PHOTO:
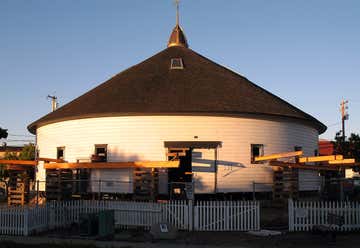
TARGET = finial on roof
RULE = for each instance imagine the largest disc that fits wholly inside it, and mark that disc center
(177, 37)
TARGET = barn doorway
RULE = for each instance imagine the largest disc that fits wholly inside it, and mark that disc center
(181, 184)
(180, 178)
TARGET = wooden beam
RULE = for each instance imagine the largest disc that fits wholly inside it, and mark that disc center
(18, 167)
(279, 155)
(320, 158)
(113, 165)
(343, 161)
(19, 162)
(51, 160)
(179, 149)
(304, 167)
(175, 154)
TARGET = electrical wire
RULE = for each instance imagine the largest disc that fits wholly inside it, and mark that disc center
(21, 135)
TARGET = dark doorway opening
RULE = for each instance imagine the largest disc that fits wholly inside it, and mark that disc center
(180, 177)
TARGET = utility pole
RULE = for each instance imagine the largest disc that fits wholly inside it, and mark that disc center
(344, 116)
(53, 102)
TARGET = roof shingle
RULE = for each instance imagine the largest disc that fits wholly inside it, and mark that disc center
(201, 88)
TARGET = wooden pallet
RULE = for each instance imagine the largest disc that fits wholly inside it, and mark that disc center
(18, 191)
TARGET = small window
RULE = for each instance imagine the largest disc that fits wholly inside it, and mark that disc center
(176, 63)
(100, 153)
(60, 153)
(256, 150)
(296, 149)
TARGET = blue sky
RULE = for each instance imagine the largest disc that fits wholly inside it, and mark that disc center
(306, 52)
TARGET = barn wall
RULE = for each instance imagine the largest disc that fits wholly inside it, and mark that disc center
(142, 138)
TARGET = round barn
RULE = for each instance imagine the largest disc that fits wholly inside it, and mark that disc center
(179, 105)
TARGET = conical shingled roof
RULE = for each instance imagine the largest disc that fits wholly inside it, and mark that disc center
(201, 88)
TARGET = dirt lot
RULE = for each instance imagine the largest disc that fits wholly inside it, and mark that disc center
(194, 239)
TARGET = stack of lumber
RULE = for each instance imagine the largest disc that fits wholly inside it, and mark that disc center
(58, 184)
(286, 183)
(145, 183)
(81, 184)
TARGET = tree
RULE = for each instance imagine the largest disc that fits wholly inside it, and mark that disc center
(28, 152)
(350, 148)
(3, 133)
(354, 146)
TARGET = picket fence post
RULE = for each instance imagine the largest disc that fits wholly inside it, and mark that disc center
(190, 210)
(291, 214)
(26, 221)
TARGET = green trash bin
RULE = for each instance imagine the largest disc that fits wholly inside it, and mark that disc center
(106, 224)
(89, 224)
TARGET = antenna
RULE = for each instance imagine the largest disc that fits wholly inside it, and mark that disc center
(53, 102)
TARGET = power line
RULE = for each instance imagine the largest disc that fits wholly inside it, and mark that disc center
(21, 135)
(23, 140)
(334, 124)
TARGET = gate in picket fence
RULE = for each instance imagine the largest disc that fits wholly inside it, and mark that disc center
(227, 216)
(303, 216)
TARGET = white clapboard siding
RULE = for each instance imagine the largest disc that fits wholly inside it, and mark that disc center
(303, 216)
(106, 180)
(135, 138)
(203, 168)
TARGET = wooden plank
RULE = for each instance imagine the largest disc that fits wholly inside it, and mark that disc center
(279, 155)
(179, 149)
(19, 162)
(51, 160)
(175, 154)
(320, 158)
(18, 167)
(343, 161)
(113, 165)
(304, 167)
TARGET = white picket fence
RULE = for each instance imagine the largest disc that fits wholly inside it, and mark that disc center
(303, 216)
(13, 221)
(205, 216)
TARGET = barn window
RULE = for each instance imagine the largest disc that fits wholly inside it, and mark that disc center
(176, 63)
(316, 152)
(296, 149)
(60, 152)
(256, 150)
(100, 153)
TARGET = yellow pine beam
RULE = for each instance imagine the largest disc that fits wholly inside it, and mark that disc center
(51, 160)
(320, 158)
(343, 161)
(113, 165)
(18, 162)
(303, 166)
(279, 155)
